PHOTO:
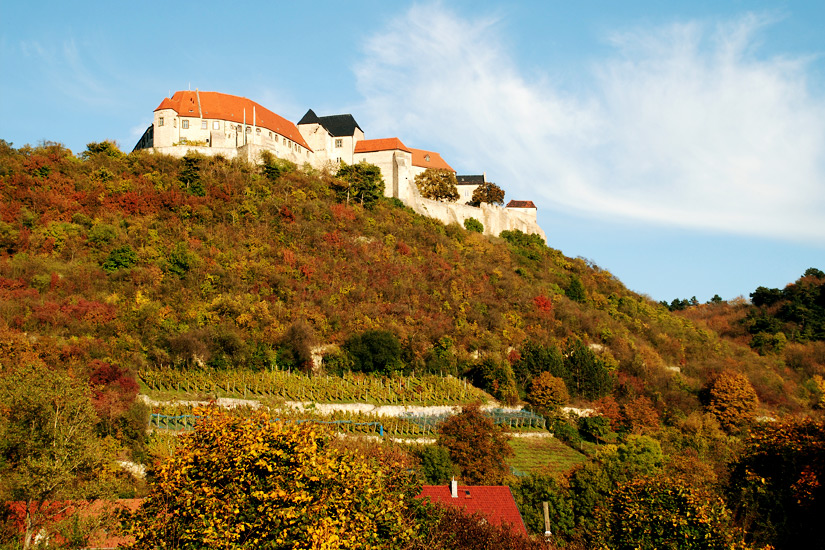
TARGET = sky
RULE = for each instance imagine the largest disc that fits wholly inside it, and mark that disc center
(679, 145)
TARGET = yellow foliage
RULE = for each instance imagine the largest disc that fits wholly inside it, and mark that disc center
(257, 482)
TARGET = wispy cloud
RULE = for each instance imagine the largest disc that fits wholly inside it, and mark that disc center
(72, 71)
(682, 125)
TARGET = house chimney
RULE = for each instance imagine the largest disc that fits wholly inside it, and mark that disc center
(454, 488)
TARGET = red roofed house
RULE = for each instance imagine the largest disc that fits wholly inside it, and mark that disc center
(213, 123)
(526, 207)
(422, 160)
(493, 502)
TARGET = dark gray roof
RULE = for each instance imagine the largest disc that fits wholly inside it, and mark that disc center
(310, 118)
(470, 180)
(337, 125)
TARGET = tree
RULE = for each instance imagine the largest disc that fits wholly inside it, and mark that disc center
(49, 450)
(255, 482)
(531, 491)
(732, 400)
(477, 446)
(575, 290)
(374, 351)
(437, 184)
(360, 182)
(548, 392)
(436, 466)
(488, 192)
(777, 483)
(656, 512)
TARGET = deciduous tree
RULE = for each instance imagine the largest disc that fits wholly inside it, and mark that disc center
(437, 184)
(49, 450)
(488, 192)
(732, 399)
(255, 482)
(361, 183)
(548, 392)
(476, 445)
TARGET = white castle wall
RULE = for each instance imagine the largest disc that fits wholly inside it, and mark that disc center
(495, 219)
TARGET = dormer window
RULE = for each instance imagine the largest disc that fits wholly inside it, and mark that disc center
(427, 158)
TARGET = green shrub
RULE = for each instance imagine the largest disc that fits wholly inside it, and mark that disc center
(120, 258)
(472, 224)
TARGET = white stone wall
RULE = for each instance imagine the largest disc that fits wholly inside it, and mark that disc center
(494, 218)
(395, 169)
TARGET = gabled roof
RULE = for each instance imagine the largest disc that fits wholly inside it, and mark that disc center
(521, 204)
(384, 144)
(230, 107)
(336, 125)
(470, 180)
(493, 502)
(429, 159)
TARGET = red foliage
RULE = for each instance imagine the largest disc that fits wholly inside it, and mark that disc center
(287, 214)
(543, 303)
(402, 248)
(289, 257)
(113, 389)
(333, 238)
(342, 212)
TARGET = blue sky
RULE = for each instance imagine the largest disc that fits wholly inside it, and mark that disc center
(679, 145)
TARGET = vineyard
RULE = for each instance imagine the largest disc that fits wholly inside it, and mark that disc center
(350, 388)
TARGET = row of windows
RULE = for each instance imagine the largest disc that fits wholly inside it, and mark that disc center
(216, 125)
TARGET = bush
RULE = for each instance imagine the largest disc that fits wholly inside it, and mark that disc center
(120, 258)
(374, 351)
(472, 224)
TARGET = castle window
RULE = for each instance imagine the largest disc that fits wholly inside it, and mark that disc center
(257, 130)
(174, 123)
(204, 125)
(248, 130)
(184, 124)
(270, 135)
(160, 121)
(216, 125)
(339, 142)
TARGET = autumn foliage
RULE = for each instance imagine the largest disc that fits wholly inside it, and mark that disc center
(257, 482)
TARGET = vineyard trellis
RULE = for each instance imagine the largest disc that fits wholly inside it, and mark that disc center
(185, 422)
(350, 388)
(410, 425)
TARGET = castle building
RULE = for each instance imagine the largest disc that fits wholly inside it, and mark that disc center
(332, 138)
(212, 123)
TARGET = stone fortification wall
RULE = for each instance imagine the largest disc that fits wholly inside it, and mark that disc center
(494, 218)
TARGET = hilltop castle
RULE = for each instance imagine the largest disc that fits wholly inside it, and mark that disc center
(213, 123)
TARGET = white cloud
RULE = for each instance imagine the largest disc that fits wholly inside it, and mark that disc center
(683, 125)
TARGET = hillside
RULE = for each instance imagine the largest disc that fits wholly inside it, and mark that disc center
(144, 261)
(205, 280)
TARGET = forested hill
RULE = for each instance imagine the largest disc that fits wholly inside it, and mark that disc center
(143, 260)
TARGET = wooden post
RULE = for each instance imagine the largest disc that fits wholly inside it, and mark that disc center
(546, 507)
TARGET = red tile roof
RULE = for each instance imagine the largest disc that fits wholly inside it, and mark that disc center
(429, 159)
(493, 502)
(216, 105)
(521, 204)
(385, 144)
